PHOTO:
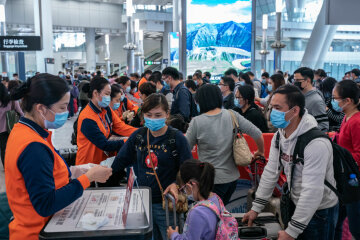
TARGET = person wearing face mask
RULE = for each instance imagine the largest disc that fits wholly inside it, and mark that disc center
(183, 102)
(314, 101)
(245, 80)
(313, 201)
(335, 117)
(345, 98)
(123, 107)
(274, 82)
(245, 106)
(169, 149)
(37, 178)
(145, 90)
(227, 86)
(96, 123)
(197, 180)
(213, 133)
(198, 80)
(161, 86)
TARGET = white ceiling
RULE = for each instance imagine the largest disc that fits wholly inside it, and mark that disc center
(142, 2)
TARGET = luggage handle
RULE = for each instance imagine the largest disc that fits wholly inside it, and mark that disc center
(252, 232)
(168, 196)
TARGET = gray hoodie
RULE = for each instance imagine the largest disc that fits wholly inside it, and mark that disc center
(309, 192)
(315, 104)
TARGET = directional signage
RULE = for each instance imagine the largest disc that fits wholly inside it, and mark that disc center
(20, 43)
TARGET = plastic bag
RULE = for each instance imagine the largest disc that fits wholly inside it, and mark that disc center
(77, 171)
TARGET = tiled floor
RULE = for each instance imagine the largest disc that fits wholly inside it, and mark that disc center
(61, 139)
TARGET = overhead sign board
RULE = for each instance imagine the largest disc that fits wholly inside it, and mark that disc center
(20, 43)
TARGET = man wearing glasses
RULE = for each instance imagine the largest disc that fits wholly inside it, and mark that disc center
(314, 101)
(227, 86)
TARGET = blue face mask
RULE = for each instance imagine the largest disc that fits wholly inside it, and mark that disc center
(105, 101)
(60, 120)
(155, 124)
(242, 83)
(198, 108)
(128, 89)
(277, 119)
(269, 88)
(122, 98)
(166, 85)
(116, 106)
(335, 105)
(236, 103)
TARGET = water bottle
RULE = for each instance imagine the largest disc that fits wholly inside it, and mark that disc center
(353, 180)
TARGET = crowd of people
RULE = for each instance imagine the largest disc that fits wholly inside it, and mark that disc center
(161, 117)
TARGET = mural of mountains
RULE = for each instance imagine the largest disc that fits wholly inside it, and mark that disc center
(229, 34)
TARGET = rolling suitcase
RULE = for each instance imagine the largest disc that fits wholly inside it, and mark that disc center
(266, 225)
(179, 218)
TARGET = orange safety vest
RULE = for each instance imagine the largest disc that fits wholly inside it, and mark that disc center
(87, 151)
(27, 223)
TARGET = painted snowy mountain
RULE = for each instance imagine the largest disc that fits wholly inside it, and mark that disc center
(229, 34)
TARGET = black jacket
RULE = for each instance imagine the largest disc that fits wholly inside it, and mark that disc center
(256, 117)
(228, 101)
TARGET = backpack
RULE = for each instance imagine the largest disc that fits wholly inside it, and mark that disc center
(343, 162)
(140, 142)
(75, 125)
(227, 226)
(263, 93)
(193, 108)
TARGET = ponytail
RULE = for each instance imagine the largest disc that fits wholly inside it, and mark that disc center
(202, 172)
(206, 183)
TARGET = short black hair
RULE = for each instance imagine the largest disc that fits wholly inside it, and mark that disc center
(115, 90)
(305, 72)
(181, 76)
(229, 82)
(147, 88)
(280, 72)
(209, 97)
(207, 74)
(147, 72)
(327, 85)
(231, 71)
(294, 97)
(44, 88)
(133, 84)
(265, 74)
(153, 101)
(246, 79)
(197, 75)
(98, 84)
(122, 80)
(356, 71)
(172, 72)
(247, 92)
(250, 74)
(190, 84)
(135, 75)
(321, 73)
(198, 71)
(349, 89)
(155, 78)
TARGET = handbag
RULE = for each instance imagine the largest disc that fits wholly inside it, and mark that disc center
(12, 117)
(182, 203)
(241, 151)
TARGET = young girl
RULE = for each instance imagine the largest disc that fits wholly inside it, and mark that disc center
(201, 223)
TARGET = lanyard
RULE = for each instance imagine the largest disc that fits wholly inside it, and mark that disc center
(105, 124)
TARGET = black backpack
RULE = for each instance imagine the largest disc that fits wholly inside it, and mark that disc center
(343, 162)
(141, 143)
